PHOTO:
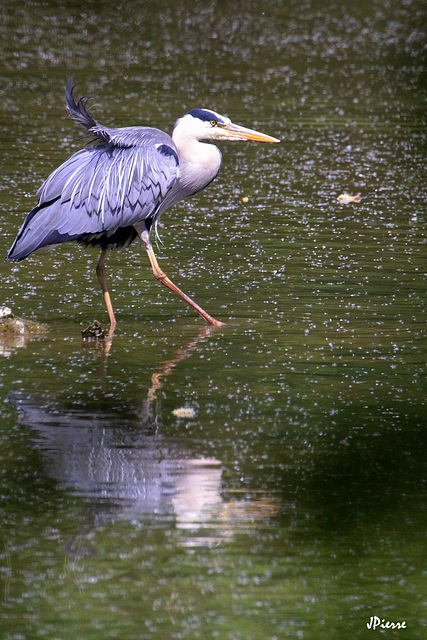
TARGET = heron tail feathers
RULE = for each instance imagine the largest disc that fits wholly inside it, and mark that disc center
(37, 232)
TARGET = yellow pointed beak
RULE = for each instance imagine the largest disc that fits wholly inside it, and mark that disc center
(236, 132)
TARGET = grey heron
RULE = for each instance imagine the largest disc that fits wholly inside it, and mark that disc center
(115, 190)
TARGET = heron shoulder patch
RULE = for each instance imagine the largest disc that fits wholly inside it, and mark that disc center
(166, 150)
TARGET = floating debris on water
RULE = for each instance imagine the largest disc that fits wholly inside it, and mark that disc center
(184, 412)
(245, 199)
(346, 198)
(93, 332)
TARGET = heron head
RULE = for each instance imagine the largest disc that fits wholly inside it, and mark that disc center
(205, 124)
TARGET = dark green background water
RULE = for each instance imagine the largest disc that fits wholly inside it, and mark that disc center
(292, 503)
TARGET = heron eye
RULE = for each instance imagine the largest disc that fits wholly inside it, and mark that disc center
(214, 123)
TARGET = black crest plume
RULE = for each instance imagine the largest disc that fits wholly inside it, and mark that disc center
(80, 113)
(79, 110)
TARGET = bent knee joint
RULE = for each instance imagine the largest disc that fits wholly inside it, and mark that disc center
(159, 275)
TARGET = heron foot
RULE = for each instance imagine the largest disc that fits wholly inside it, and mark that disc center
(213, 322)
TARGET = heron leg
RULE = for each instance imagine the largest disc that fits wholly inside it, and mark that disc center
(100, 272)
(162, 277)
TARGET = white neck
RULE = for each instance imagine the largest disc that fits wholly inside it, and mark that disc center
(199, 162)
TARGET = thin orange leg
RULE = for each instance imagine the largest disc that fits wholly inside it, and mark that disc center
(162, 277)
(100, 272)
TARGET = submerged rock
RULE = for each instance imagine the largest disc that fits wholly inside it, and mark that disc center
(15, 332)
(93, 332)
(5, 312)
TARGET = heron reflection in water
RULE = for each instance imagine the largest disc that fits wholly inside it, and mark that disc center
(128, 468)
(114, 191)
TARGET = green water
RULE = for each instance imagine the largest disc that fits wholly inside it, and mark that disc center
(289, 499)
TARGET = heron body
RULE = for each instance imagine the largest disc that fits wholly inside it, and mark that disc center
(115, 190)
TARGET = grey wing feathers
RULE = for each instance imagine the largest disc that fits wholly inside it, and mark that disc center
(117, 185)
(98, 194)
(101, 189)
